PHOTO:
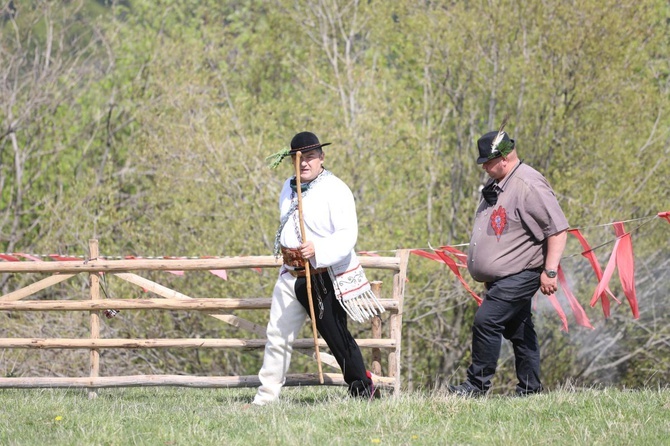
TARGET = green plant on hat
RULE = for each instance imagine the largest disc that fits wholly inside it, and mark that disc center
(503, 148)
(275, 159)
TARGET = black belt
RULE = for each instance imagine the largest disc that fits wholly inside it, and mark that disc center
(301, 272)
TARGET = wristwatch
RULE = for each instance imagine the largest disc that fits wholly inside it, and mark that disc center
(551, 273)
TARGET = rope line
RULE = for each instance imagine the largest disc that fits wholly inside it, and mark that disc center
(609, 242)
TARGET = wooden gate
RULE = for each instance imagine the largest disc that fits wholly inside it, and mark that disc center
(382, 339)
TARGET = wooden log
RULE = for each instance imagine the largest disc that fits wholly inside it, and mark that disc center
(172, 294)
(292, 380)
(95, 319)
(199, 304)
(71, 343)
(102, 265)
(399, 279)
(35, 287)
(231, 319)
(376, 365)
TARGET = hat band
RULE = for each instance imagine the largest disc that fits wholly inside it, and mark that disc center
(306, 147)
(310, 147)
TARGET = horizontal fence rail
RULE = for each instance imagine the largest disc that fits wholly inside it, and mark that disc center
(292, 380)
(107, 266)
(195, 304)
(43, 343)
(219, 308)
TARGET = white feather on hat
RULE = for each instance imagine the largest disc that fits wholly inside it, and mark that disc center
(499, 137)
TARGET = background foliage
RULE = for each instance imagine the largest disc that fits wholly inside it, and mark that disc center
(145, 124)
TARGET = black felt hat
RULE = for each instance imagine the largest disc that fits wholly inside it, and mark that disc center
(304, 142)
(487, 150)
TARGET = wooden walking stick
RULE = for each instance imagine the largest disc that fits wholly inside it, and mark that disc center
(307, 265)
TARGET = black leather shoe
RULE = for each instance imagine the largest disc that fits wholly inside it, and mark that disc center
(524, 392)
(466, 389)
(373, 391)
(359, 389)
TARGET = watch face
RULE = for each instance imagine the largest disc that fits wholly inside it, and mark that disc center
(550, 273)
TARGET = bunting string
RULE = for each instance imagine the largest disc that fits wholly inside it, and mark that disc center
(621, 259)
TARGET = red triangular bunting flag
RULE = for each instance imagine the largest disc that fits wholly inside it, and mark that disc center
(428, 255)
(559, 310)
(593, 260)
(577, 310)
(607, 275)
(176, 273)
(28, 256)
(460, 255)
(63, 258)
(219, 273)
(665, 215)
(9, 258)
(626, 266)
(440, 255)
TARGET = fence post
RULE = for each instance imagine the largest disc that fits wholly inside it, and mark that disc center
(95, 318)
(376, 366)
(395, 320)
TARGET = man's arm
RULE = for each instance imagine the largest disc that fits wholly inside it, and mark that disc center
(555, 246)
(338, 238)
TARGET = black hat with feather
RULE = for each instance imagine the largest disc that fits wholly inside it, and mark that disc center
(494, 144)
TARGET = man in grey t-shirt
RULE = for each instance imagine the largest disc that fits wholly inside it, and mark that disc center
(516, 245)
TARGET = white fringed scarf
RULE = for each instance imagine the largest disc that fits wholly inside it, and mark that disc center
(352, 288)
(353, 291)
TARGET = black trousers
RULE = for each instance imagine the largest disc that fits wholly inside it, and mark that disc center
(506, 312)
(331, 322)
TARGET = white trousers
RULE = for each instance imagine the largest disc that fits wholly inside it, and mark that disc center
(287, 317)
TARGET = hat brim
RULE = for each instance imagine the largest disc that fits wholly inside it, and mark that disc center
(483, 159)
(308, 148)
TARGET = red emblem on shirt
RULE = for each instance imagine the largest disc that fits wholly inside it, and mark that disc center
(499, 221)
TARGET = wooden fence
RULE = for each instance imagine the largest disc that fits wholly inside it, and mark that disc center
(219, 308)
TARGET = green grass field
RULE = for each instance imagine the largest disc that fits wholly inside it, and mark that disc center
(324, 416)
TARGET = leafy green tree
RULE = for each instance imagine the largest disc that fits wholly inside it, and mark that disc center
(146, 124)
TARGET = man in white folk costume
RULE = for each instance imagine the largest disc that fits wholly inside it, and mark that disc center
(339, 286)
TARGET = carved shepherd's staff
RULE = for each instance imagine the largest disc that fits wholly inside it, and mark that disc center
(307, 264)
